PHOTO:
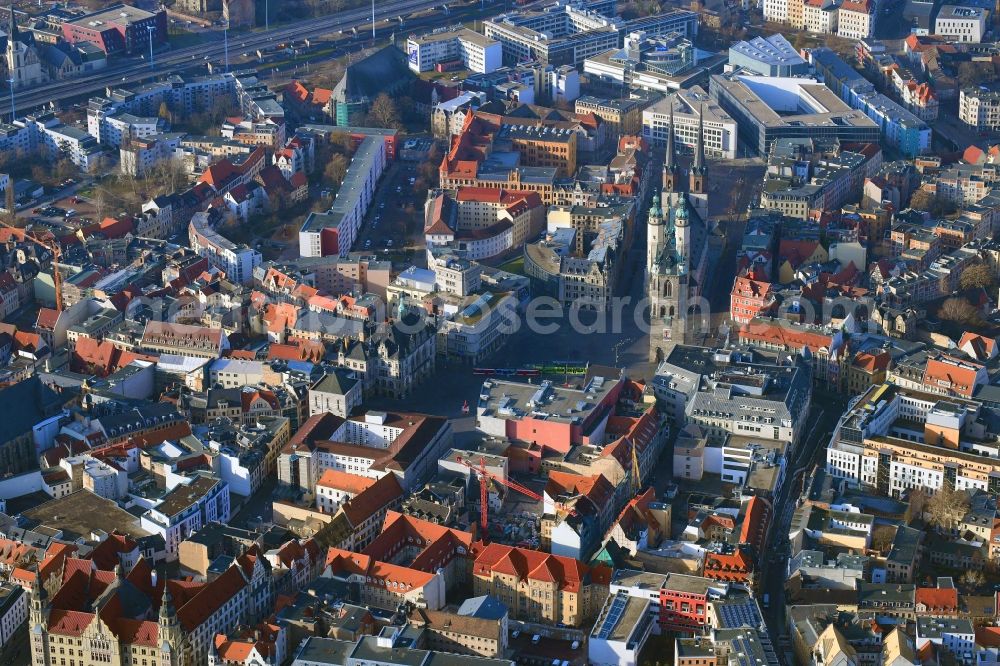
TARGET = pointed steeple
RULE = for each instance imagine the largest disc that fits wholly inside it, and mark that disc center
(168, 614)
(696, 181)
(13, 34)
(699, 151)
(669, 162)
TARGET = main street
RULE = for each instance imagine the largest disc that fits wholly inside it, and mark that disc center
(822, 419)
(134, 70)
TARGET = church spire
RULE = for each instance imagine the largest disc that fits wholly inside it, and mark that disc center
(697, 176)
(669, 163)
(168, 614)
(699, 153)
(13, 34)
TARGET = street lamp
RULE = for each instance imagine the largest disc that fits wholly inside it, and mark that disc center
(267, 17)
(13, 114)
(225, 39)
(373, 20)
(150, 29)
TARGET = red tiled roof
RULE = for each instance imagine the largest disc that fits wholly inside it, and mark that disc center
(758, 510)
(596, 488)
(137, 632)
(210, 598)
(796, 252)
(69, 623)
(872, 363)
(525, 564)
(322, 96)
(47, 318)
(381, 494)
(747, 287)
(761, 330)
(439, 544)
(351, 483)
(937, 599)
(860, 6)
(106, 554)
(981, 346)
(974, 155)
(988, 636)
(955, 375)
(731, 567)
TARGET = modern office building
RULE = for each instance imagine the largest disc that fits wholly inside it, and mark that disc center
(569, 33)
(118, 29)
(772, 56)
(690, 109)
(900, 128)
(769, 108)
(656, 64)
(445, 48)
(961, 23)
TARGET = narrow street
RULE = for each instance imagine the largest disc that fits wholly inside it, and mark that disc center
(822, 419)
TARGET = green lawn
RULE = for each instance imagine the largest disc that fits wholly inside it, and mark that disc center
(181, 38)
(515, 265)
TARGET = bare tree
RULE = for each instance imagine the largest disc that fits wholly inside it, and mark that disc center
(100, 202)
(917, 499)
(973, 73)
(972, 579)
(947, 507)
(926, 200)
(977, 276)
(882, 537)
(959, 310)
(336, 169)
(384, 113)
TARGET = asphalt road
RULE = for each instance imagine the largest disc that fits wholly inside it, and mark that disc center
(134, 69)
(826, 409)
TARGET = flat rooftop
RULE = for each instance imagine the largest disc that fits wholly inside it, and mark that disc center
(181, 497)
(619, 617)
(114, 15)
(775, 50)
(458, 32)
(352, 187)
(548, 400)
(80, 513)
(815, 105)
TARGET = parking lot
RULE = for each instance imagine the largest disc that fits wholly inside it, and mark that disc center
(62, 207)
(394, 224)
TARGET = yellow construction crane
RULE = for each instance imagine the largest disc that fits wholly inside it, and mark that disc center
(636, 480)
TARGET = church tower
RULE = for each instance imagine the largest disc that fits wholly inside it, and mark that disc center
(682, 233)
(697, 193)
(174, 645)
(23, 64)
(654, 233)
(677, 262)
(697, 185)
(38, 624)
(671, 172)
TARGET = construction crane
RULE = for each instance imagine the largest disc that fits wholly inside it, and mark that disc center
(636, 477)
(485, 475)
(52, 247)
